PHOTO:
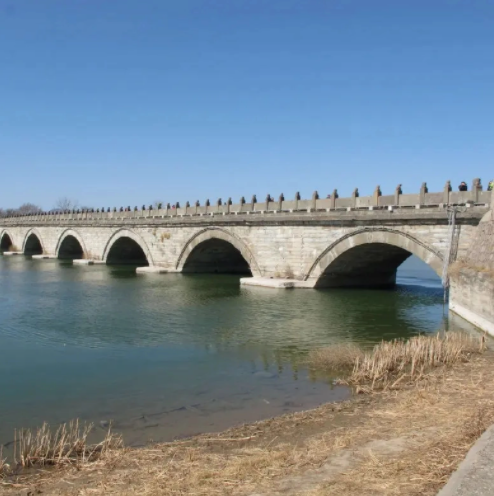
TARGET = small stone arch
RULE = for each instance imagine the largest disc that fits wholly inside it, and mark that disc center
(126, 233)
(220, 234)
(33, 232)
(6, 241)
(65, 234)
(397, 241)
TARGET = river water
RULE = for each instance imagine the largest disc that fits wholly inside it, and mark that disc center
(173, 355)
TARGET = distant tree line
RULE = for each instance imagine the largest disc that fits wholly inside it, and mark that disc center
(24, 209)
(61, 205)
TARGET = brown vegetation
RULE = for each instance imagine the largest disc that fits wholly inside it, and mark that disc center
(67, 445)
(391, 362)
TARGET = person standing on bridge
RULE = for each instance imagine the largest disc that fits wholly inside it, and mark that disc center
(490, 186)
(463, 186)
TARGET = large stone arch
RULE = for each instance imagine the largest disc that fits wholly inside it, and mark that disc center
(77, 236)
(223, 235)
(36, 233)
(3, 233)
(126, 233)
(377, 239)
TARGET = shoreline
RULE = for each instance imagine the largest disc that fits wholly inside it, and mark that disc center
(383, 442)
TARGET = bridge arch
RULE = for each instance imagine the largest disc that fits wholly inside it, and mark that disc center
(127, 247)
(217, 250)
(6, 241)
(33, 243)
(369, 257)
(70, 245)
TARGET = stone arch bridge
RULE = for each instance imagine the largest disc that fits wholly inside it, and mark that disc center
(300, 243)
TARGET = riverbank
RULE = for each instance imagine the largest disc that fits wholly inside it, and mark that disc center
(398, 441)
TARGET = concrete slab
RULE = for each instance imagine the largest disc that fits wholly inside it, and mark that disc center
(267, 282)
(43, 257)
(475, 475)
(81, 261)
(155, 270)
(11, 253)
(472, 317)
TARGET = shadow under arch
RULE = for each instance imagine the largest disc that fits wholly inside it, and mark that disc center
(70, 246)
(126, 247)
(6, 242)
(215, 250)
(369, 257)
(32, 243)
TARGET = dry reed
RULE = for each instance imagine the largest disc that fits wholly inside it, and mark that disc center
(67, 445)
(392, 362)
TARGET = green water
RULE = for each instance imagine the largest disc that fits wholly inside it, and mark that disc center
(172, 355)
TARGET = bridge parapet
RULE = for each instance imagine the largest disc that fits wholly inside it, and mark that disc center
(333, 203)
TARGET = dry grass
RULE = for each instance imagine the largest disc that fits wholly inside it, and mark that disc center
(335, 358)
(392, 362)
(67, 445)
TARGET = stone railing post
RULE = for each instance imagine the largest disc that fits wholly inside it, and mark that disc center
(355, 195)
(398, 192)
(376, 195)
(281, 199)
(476, 189)
(446, 192)
(315, 197)
(297, 199)
(423, 191)
(334, 197)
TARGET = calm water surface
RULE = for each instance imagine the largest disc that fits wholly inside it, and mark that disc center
(173, 355)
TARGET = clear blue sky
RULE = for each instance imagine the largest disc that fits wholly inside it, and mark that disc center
(125, 102)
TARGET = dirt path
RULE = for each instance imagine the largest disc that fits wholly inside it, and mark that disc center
(400, 442)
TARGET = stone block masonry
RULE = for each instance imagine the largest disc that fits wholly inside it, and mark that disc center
(309, 248)
(472, 280)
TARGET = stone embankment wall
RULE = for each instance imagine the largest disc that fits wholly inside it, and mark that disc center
(472, 278)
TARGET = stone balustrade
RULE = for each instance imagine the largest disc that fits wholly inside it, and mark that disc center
(333, 203)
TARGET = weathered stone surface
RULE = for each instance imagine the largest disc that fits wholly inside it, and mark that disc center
(315, 248)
